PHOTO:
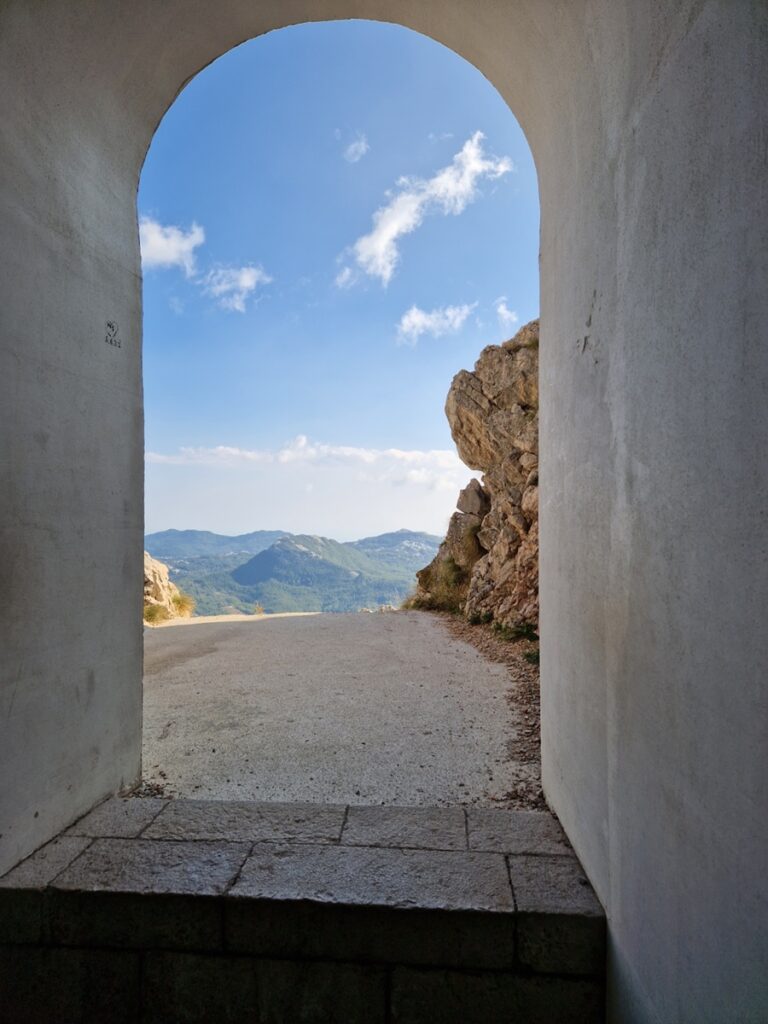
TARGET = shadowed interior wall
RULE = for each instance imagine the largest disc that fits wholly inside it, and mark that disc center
(647, 123)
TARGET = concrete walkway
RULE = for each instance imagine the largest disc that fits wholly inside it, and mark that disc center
(353, 709)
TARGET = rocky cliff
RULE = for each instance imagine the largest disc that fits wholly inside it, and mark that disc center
(488, 564)
(162, 599)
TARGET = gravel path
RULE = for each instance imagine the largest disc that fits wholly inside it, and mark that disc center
(363, 709)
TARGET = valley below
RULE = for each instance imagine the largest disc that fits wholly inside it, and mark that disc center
(271, 571)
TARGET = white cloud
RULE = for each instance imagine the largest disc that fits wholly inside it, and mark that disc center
(231, 286)
(355, 491)
(356, 150)
(449, 191)
(507, 317)
(169, 246)
(220, 454)
(165, 245)
(302, 450)
(345, 278)
(446, 320)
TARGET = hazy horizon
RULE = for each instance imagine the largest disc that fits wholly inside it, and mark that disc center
(280, 529)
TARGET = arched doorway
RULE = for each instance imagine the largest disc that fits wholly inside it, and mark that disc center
(309, 400)
(650, 240)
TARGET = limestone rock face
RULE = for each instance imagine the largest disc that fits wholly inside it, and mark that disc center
(492, 545)
(158, 588)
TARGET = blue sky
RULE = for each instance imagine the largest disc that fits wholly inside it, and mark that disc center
(335, 219)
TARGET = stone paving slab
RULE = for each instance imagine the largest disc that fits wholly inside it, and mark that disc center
(425, 828)
(248, 822)
(377, 935)
(22, 916)
(560, 923)
(183, 987)
(192, 988)
(516, 832)
(454, 997)
(148, 866)
(368, 876)
(552, 885)
(303, 993)
(69, 986)
(118, 818)
(128, 920)
(40, 869)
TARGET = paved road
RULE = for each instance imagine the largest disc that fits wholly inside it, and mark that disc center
(362, 709)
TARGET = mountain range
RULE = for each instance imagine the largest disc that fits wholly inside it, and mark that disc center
(281, 572)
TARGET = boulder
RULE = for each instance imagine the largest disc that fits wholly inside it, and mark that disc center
(162, 598)
(492, 545)
(474, 499)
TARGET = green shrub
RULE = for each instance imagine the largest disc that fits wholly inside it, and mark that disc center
(154, 613)
(183, 603)
(518, 631)
(480, 618)
(446, 584)
(532, 656)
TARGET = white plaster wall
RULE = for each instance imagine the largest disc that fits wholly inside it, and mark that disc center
(654, 541)
(647, 122)
(71, 447)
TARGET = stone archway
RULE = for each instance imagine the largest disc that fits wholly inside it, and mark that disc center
(642, 119)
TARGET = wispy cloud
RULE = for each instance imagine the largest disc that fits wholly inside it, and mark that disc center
(165, 245)
(383, 488)
(231, 286)
(449, 191)
(345, 278)
(507, 317)
(356, 150)
(430, 468)
(445, 320)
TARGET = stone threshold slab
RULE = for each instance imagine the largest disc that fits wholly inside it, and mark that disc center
(426, 886)
(489, 830)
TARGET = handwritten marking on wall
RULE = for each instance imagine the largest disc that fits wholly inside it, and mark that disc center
(112, 336)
